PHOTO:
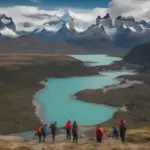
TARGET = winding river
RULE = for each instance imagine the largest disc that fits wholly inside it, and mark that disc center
(57, 101)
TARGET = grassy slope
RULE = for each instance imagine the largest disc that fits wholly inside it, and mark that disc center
(20, 77)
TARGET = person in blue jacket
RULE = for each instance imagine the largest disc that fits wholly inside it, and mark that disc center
(44, 131)
(115, 133)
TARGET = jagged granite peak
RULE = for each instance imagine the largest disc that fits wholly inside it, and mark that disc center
(7, 22)
(131, 18)
(66, 32)
(72, 24)
(119, 17)
(94, 32)
(98, 19)
(106, 16)
(129, 22)
(106, 21)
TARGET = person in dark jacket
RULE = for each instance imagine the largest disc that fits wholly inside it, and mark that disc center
(122, 129)
(53, 128)
(75, 130)
(115, 133)
(68, 129)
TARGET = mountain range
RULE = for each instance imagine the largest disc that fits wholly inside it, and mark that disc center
(106, 33)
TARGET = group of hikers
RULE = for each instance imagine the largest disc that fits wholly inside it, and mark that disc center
(72, 129)
(116, 133)
(42, 131)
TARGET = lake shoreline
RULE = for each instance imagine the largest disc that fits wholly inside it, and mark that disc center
(115, 108)
(37, 105)
(21, 81)
(73, 97)
(123, 94)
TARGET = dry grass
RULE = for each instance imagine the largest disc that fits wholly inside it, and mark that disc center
(135, 142)
(11, 60)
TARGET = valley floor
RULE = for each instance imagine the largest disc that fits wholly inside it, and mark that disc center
(20, 77)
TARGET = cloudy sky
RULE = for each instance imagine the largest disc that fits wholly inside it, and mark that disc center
(33, 13)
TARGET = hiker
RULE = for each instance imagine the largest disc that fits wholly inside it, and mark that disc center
(44, 131)
(115, 132)
(53, 128)
(39, 133)
(122, 129)
(75, 130)
(99, 134)
(68, 129)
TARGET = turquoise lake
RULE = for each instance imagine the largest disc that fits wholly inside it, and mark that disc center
(96, 59)
(57, 102)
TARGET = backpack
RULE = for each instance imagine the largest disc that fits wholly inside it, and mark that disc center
(75, 128)
(124, 126)
(40, 130)
(101, 131)
(116, 131)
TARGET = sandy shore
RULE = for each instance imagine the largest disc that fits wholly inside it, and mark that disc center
(37, 105)
(122, 84)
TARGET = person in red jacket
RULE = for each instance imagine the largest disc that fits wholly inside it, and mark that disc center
(39, 133)
(68, 129)
(122, 128)
(75, 130)
(99, 134)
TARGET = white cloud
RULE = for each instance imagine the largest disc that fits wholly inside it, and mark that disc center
(34, 17)
(37, 17)
(23, 14)
(137, 8)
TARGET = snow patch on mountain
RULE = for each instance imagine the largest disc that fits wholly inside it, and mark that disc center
(110, 32)
(6, 32)
(50, 28)
(133, 29)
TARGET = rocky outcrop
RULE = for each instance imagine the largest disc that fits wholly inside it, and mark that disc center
(7, 22)
(129, 22)
(106, 21)
(98, 20)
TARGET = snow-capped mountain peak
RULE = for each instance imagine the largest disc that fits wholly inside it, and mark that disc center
(47, 28)
(98, 20)
(128, 22)
(106, 21)
(7, 22)
(6, 32)
(67, 16)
